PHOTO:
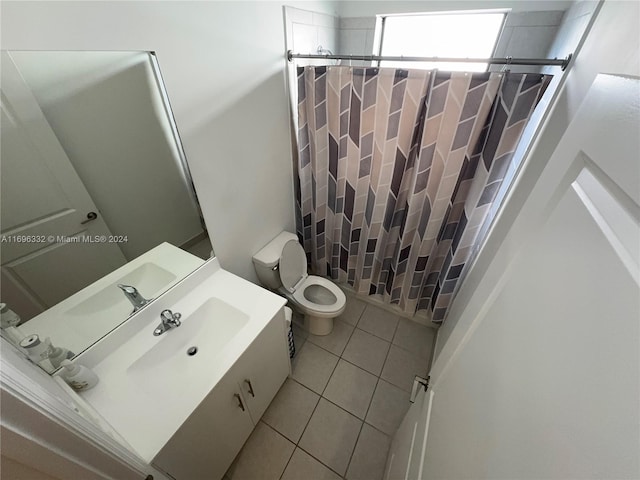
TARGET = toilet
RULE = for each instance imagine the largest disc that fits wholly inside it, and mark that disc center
(281, 265)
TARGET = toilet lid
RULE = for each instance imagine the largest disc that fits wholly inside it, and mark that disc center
(293, 265)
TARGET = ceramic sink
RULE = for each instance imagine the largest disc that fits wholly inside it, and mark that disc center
(184, 350)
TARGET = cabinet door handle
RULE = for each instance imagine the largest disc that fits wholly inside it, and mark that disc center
(240, 404)
(248, 382)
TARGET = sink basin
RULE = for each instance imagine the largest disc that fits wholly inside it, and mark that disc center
(109, 303)
(148, 278)
(88, 315)
(209, 328)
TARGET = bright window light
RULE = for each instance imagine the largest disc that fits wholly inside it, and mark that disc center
(460, 35)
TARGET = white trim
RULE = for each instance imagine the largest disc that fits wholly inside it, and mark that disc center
(423, 451)
(30, 400)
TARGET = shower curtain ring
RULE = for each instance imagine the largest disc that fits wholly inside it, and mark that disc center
(505, 67)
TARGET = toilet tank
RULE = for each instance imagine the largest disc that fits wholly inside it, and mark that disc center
(268, 258)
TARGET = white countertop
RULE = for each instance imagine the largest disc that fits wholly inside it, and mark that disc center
(74, 325)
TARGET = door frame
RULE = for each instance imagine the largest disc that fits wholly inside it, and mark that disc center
(25, 399)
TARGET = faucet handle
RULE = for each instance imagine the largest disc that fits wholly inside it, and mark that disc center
(127, 288)
(171, 318)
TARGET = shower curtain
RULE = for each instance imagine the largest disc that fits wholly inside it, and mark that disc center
(397, 171)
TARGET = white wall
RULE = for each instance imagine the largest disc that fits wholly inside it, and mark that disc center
(357, 35)
(306, 31)
(529, 35)
(223, 66)
(108, 115)
(574, 23)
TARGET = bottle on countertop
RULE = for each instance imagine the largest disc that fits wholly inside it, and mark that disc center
(58, 354)
(78, 377)
(36, 349)
(9, 321)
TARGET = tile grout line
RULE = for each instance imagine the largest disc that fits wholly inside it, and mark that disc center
(339, 357)
(341, 408)
(351, 363)
(413, 354)
(395, 330)
(365, 414)
(321, 396)
(303, 430)
(276, 431)
(383, 364)
(370, 401)
(297, 445)
(320, 462)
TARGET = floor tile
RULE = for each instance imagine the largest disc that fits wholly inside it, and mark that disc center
(378, 322)
(313, 366)
(414, 337)
(388, 407)
(291, 410)
(353, 310)
(201, 249)
(336, 340)
(303, 466)
(297, 322)
(401, 367)
(298, 341)
(366, 351)
(370, 456)
(351, 388)
(331, 436)
(264, 456)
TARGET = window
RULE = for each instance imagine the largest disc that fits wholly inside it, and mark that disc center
(466, 34)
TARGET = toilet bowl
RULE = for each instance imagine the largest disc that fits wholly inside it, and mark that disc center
(282, 266)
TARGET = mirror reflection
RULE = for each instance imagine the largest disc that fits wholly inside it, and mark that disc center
(98, 209)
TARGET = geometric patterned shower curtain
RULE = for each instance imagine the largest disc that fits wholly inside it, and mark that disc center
(397, 171)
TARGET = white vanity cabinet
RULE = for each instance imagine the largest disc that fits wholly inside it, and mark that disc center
(207, 442)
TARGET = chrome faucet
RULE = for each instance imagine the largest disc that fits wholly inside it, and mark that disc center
(169, 320)
(132, 294)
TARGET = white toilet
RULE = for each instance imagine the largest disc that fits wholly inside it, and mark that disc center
(282, 266)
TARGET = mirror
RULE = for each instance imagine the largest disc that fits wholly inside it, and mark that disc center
(95, 192)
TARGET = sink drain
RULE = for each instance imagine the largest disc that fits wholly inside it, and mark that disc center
(192, 351)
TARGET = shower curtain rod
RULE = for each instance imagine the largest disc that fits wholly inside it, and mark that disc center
(556, 62)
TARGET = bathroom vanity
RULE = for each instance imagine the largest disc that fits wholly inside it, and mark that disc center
(187, 400)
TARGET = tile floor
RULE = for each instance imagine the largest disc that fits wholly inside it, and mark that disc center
(201, 249)
(334, 417)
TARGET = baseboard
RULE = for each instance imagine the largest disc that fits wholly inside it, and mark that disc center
(193, 240)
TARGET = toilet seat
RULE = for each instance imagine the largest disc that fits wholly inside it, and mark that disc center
(296, 281)
(318, 309)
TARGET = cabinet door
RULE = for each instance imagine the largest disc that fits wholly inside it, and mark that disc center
(208, 441)
(263, 368)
